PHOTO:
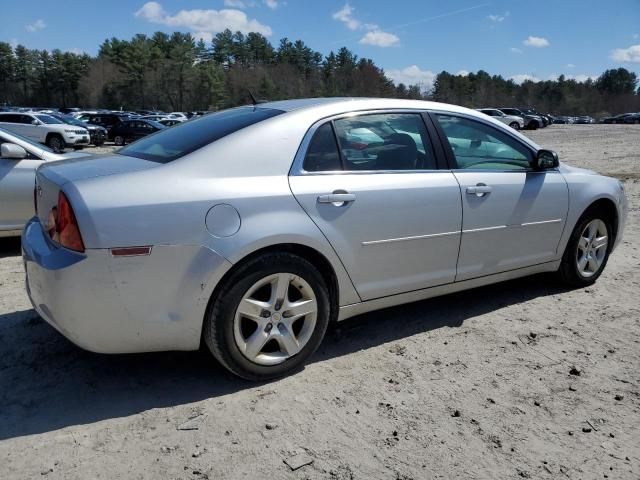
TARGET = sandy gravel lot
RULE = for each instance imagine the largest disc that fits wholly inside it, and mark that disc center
(472, 385)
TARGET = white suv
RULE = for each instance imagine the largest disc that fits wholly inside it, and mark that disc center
(513, 121)
(45, 129)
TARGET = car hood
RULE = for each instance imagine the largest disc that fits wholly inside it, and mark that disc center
(92, 166)
(62, 127)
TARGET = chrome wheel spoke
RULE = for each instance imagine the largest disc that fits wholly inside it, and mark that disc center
(583, 243)
(279, 288)
(255, 343)
(295, 310)
(593, 264)
(252, 309)
(287, 341)
(582, 263)
(599, 242)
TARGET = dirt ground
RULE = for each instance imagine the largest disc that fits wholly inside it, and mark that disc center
(523, 379)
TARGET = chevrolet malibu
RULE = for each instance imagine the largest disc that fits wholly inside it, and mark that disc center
(251, 229)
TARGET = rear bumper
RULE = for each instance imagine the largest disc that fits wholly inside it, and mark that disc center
(112, 304)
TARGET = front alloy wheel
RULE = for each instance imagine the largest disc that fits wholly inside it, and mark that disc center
(592, 248)
(587, 251)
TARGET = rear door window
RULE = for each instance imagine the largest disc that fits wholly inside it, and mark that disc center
(322, 154)
(386, 141)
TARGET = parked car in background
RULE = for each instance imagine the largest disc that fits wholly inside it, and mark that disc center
(19, 159)
(97, 134)
(46, 129)
(169, 122)
(530, 111)
(530, 121)
(513, 121)
(633, 118)
(129, 131)
(68, 110)
(622, 118)
(106, 120)
(562, 119)
(178, 115)
(251, 229)
(584, 119)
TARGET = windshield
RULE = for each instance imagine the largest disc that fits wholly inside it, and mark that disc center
(8, 137)
(172, 143)
(49, 120)
(69, 120)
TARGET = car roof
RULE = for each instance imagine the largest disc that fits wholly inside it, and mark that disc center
(337, 105)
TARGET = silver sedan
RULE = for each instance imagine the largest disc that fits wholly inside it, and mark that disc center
(19, 159)
(252, 229)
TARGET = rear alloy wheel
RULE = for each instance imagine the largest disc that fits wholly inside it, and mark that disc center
(587, 251)
(515, 125)
(269, 317)
(56, 143)
(119, 140)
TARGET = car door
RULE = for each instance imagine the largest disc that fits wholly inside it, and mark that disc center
(513, 215)
(371, 182)
(13, 123)
(17, 178)
(33, 128)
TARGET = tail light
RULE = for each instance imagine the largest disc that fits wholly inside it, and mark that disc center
(63, 226)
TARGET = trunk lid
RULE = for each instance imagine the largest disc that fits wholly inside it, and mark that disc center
(51, 177)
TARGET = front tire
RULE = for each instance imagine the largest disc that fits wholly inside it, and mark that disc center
(268, 317)
(515, 125)
(587, 251)
(119, 140)
(56, 143)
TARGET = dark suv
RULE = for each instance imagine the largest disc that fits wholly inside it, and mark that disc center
(106, 120)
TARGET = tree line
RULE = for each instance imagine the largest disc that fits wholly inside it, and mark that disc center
(179, 73)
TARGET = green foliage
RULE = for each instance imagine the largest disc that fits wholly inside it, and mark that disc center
(176, 72)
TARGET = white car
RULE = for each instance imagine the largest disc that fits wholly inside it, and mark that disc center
(45, 129)
(513, 121)
(178, 116)
(19, 159)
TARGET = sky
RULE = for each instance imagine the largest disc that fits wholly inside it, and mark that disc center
(411, 39)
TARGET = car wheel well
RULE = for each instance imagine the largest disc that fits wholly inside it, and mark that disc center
(53, 134)
(317, 259)
(610, 213)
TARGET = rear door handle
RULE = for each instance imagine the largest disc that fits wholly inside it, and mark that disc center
(338, 199)
(480, 190)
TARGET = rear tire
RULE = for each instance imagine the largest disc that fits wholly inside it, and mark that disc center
(515, 125)
(583, 261)
(119, 140)
(257, 345)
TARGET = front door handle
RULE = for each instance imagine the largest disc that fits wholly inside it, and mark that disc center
(480, 190)
(337, 199)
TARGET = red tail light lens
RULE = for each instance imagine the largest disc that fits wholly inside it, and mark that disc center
(63, 227)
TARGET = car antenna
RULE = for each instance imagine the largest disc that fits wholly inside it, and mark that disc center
(254, 101)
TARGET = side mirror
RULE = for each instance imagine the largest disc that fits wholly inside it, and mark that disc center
(546, 159)
(11, 150)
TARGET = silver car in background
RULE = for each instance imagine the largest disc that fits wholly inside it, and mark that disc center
(19, 159)
(251, 229)
(513, 121)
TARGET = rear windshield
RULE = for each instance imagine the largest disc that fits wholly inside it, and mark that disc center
(180, 140)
